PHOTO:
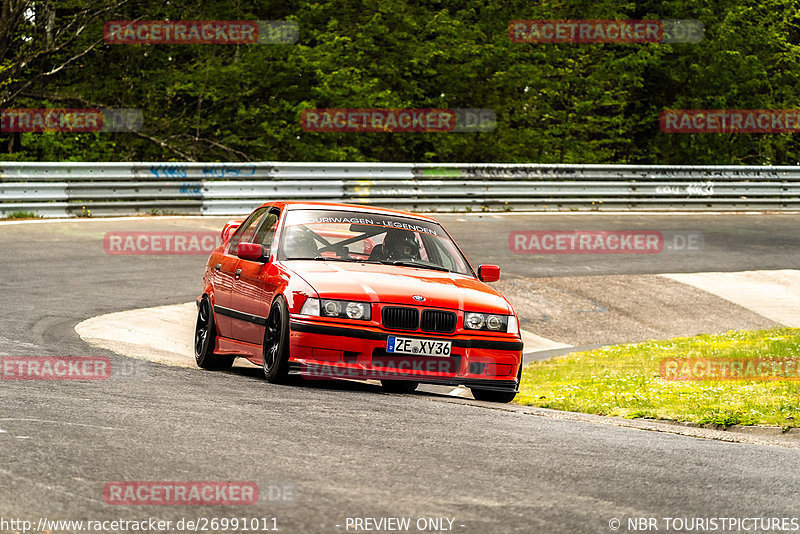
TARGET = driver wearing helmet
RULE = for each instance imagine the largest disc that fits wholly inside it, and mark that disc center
(397, 245)
(299, 244)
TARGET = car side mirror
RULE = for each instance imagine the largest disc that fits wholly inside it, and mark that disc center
(250, 251)
(228, 229)
(489, 273)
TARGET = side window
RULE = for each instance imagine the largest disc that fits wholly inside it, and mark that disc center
(246, 232)
(266, 233)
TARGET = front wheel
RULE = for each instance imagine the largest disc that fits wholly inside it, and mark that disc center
(205, 334)
(275, 350)
(497, 396)
(492, 396)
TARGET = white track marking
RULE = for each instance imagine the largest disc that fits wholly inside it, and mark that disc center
(30, 419)
(771, 294)
(163, 334)
(106, 219)
(534, 343)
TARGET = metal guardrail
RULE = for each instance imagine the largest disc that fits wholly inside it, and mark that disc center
(64, 189)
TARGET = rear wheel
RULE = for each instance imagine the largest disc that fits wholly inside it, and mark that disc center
(398, 386)
(275, 350)
(205, 334)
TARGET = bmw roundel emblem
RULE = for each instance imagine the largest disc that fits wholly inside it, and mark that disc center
(418, 298)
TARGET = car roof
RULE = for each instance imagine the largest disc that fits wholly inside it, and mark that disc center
(335, 206)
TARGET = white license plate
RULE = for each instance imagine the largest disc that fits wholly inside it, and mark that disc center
(418, 347)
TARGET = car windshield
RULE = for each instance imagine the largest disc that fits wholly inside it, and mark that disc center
(371, 238)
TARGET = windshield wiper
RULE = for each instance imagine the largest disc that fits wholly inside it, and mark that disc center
(415, 264)
(320, 258)
(323, 258)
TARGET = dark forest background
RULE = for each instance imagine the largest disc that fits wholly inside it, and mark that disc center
(576, 103)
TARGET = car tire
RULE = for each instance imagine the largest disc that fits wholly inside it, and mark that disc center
(205, 334)
(493, 396)
(497, 396)
(275, 349)
(399, 386)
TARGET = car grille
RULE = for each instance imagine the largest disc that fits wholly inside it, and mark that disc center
(438, 321)
(400, 318)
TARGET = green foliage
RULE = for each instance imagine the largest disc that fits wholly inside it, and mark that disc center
(22, 215)
(570, 103)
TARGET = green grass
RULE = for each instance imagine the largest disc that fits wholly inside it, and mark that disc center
(625, 381)
(21, 215)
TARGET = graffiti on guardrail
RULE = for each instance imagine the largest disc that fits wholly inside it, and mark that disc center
(702, 189)
(168, 171)
(522, 172)
(191, 189)
(224, 171)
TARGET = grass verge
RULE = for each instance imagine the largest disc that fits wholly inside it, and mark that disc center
(626, 380)
(21, 215)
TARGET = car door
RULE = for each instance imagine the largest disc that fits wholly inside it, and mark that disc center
(254, 285)
(225, 270)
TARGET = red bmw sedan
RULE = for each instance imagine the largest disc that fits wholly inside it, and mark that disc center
(343, 291)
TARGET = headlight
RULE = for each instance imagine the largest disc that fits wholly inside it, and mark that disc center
(337, 308)
(331, 308)
(473, 321)
(488, 321)
(356, 310)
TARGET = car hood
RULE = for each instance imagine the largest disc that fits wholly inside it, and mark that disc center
(392, 284)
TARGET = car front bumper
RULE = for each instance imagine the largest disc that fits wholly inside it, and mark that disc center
(324, 351)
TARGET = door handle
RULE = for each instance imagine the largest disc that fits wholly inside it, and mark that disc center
(238, 272)
(218, 266)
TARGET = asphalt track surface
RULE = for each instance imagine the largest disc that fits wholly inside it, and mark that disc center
(346, 449)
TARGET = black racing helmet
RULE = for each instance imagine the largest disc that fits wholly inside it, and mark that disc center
(401, 244)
